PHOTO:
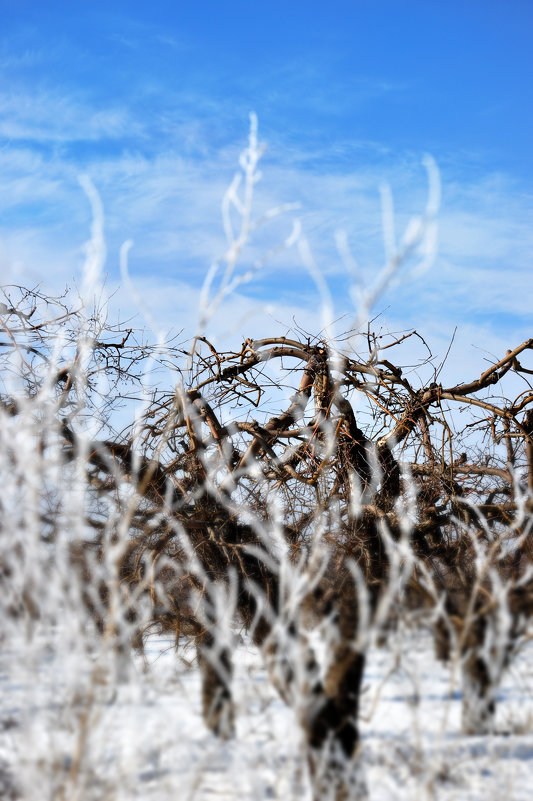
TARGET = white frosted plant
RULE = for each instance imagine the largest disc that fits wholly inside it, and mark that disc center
(161, 530)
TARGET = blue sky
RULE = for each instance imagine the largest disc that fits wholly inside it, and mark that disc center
(152, 101)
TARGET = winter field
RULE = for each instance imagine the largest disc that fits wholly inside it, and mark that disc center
(74, 729)
(241, 496)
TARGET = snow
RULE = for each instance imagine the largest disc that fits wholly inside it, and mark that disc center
(78, 725)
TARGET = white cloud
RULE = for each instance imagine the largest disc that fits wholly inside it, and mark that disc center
(49, 116)
(169, 204)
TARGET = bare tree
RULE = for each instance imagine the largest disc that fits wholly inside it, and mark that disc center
(247, 487)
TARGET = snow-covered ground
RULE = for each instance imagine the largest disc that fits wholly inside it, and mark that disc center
(69, 730)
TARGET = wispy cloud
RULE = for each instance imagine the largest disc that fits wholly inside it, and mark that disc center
(167, 195)
(29, 57)
(50, 116)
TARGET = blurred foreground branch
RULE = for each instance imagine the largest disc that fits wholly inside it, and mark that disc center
(283, 486)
